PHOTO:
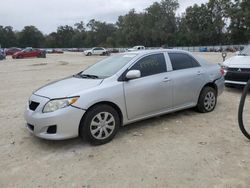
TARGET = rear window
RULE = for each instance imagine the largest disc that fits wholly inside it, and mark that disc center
(182, 61)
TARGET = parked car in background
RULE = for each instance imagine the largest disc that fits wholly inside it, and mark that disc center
(29, 52)
(57, 51)
(11, 51)
(2, 54)
(75, 50)
(237, 68)
(203, 49)
(54, 51)
(123, 89)
(96, 51)
(135, 48)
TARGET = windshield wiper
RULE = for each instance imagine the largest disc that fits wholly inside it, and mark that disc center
(86, 76)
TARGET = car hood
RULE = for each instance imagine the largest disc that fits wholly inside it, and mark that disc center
(238, 62)
(67, 87)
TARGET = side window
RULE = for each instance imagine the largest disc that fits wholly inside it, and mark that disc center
(152, 64)
(182, 61)
(98, 48)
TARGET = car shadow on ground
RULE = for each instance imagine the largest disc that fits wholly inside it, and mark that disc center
(235, 89)
(131, 129)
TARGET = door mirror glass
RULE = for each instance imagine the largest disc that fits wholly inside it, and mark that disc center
(133, 74)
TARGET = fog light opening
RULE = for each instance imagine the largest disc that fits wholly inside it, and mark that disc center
(52, 129)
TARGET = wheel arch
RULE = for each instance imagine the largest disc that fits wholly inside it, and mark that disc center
(113, 105)
(209, 84)
(212, 85)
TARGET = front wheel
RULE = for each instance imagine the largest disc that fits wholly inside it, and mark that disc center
(207, 100)
(100, 124)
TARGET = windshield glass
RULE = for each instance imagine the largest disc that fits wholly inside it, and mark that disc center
(109, 66)
(246, 51)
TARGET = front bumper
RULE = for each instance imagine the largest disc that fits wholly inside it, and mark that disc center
(230, 82)
(237, 76)
(66, 120)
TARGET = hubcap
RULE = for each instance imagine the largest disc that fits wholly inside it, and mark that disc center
(209, 101)
(102, 125)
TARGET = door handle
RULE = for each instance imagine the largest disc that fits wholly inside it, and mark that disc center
(166, 79)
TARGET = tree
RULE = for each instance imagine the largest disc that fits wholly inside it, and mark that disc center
(239, 28)
(30, 36)
(7, 37)
(160, 22)
(64, 36)
(98, 33)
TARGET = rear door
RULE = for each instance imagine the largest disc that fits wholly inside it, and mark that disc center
(150, 93)
(187, 77)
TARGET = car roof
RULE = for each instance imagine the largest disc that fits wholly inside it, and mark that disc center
(145, 52)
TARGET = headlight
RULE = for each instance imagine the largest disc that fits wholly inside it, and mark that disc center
(56, 104)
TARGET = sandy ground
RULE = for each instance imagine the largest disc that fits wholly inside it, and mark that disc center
(184, 149)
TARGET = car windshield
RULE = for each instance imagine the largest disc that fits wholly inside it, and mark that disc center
(109, 66)
(246, 51)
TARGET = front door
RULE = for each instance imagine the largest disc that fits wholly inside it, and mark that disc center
(152, 92)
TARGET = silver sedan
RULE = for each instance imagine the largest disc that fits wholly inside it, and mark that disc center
(122, 89)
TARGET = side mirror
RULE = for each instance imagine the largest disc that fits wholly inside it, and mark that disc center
(133, 74)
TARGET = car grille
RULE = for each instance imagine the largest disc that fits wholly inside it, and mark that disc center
(33, 105)
(238, 74)
(237, 69)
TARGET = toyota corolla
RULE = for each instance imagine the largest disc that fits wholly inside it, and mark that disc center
(122, 89)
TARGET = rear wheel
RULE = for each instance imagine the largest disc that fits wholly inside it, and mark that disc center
(207, 100)
(100, 124)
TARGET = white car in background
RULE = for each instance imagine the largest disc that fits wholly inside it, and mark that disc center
(96, 51)
(135, 48)
(237, 68)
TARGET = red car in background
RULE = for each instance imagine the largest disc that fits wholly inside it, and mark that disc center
(11, 51)
(29, 52)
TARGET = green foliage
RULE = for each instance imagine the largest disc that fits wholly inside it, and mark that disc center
(215, 22)
(30, 36)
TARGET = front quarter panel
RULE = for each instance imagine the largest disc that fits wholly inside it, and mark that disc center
(106, 92)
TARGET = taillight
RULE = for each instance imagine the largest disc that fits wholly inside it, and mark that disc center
(222, 71)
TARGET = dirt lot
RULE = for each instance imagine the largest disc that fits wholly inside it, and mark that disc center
(184, 149)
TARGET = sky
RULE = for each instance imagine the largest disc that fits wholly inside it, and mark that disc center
(47, 15)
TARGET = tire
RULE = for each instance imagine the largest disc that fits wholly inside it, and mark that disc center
(241, 109)
(103, 54)
(97, 132)
(89, 54)
(207, 100)
(41, 55)
(19, 57)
